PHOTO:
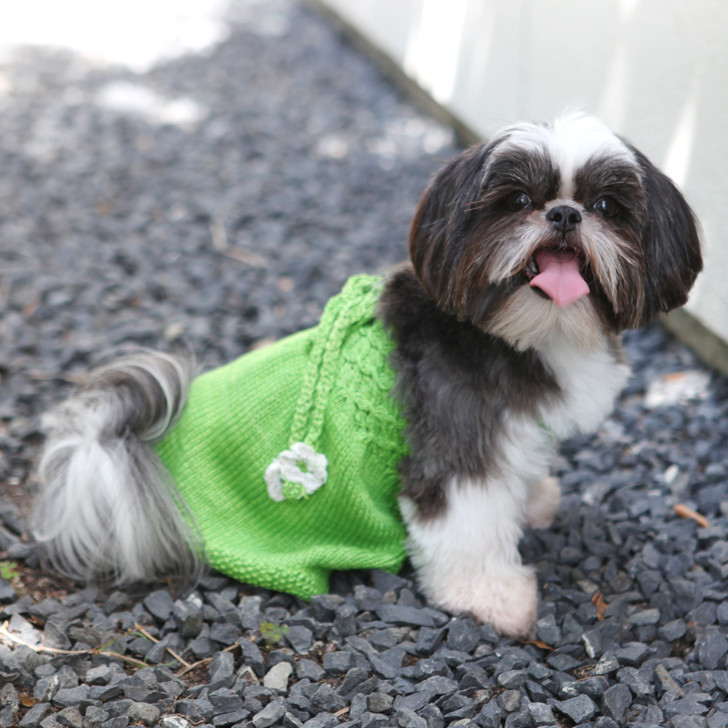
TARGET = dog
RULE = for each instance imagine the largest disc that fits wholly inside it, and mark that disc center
(418, 419)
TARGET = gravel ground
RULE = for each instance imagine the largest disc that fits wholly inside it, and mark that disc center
(217, 201)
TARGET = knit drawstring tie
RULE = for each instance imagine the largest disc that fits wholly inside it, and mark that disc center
(300, 471)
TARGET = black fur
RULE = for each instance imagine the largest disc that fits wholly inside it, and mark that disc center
(456, 383)
(671, 242)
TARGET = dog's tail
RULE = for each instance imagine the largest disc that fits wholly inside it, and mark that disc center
(107, 507)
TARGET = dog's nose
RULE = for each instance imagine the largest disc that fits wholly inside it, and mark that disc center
(564, 217)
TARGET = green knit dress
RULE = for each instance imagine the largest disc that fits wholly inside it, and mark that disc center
(287, 457)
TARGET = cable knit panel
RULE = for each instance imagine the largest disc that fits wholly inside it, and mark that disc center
(287, 457)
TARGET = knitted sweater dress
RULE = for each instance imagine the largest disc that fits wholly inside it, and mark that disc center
(286, 458)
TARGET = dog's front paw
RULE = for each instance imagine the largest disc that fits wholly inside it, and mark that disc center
(543, 503)
(506, 600)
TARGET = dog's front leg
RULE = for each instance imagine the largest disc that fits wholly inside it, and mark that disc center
(467, 557)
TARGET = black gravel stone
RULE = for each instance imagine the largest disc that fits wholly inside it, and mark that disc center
(408, 616)
(462, 635)
(712, 648)
(159, 604)
(579, 709)
(490, 715)
(196, 710)
(270, 715)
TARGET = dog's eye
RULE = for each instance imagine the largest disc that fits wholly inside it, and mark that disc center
(606, 207)
(519, 201)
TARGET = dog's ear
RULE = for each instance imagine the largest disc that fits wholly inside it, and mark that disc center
(671, 243)
(441, 224)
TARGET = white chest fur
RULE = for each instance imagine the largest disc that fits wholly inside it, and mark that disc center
(590, 382)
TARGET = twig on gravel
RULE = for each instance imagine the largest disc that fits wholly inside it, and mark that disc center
(206, 661)
(685, 512)
(42, 649)
(146, 634)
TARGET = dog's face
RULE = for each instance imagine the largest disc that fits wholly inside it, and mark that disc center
(554, 228)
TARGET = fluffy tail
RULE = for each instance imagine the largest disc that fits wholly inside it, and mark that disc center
(106, 506)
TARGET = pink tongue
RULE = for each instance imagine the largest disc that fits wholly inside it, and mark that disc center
(559, 277)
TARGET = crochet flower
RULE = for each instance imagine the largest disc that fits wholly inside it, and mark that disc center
(296, 473)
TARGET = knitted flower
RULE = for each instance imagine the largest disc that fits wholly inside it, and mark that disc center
(296, 473)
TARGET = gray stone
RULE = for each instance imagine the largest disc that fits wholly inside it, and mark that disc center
(66, 697)
(271, 714)
(225, 701)
(188, 615)
(227, 610)
(580, 709)
(198, 711)
(490, 715)
(407, 718)
(437, 685)
(637, 681)
(372, 720)
(7, 593)
(645, 617)
(300, 638)
(345, 619)
(221, 667)
(510, 700)
(415, 701)
(541, 714)
(94, 716)
(462, 634)
(353, 679)
(70, 717)
(606, 665)
(673, 630)
(632, 654)
(548, 631)
(712, 648)
(512, 679)
(409, 616)
(252, 656)
(379, 703)
(277, 677)
(325, 720)
(433, 716)
(222, 720)
(35, 715)
(174, 721)
(338, 662)
(311, 670)
(667, 682)
(224, 633)
(143, 713)
(325, 698)
(119, 721)
(688, 705)
(159, 604)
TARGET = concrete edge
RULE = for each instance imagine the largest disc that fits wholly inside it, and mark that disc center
(707, 346)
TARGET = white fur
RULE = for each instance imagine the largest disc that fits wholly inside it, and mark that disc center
(590, 382)
(467, 558)
(571, 141)
(107, 506)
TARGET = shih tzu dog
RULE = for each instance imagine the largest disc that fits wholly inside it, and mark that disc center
(417, 419)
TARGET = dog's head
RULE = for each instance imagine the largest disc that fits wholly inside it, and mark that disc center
(554, 227)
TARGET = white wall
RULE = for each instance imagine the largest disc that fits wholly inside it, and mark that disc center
(655, 70)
